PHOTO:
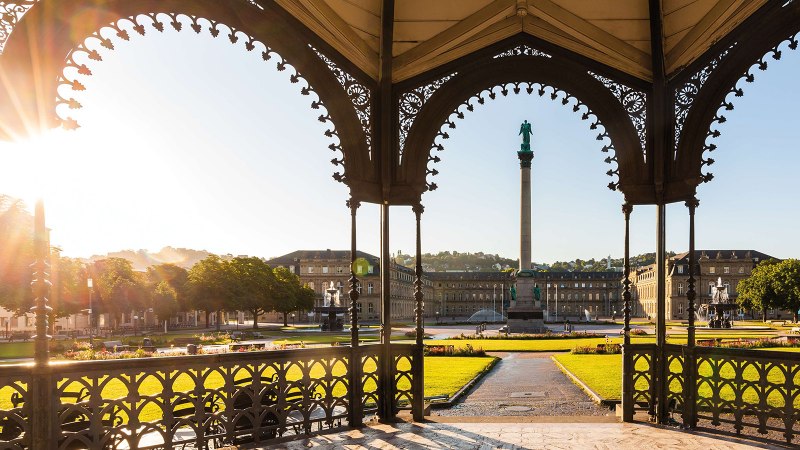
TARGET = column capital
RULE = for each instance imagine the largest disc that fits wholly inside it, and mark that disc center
(692, 203)
(525, 159)
(627, 208)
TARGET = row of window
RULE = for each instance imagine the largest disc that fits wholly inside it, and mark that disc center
(580, 285)
(713, 269)
(337, 269)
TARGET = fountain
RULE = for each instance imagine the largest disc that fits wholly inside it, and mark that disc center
(331, 309)
(721, 307)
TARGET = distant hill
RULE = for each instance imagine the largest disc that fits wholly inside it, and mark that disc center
(484, 262)
(142, 259)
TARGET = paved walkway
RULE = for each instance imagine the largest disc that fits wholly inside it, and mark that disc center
(437, 435)
(525, 384)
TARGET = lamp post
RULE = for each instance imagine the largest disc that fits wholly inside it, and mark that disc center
(547, 296)
(91, 329)
(494, 303)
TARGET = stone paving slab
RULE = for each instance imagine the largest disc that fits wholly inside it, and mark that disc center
(434, 435)
(525, 384)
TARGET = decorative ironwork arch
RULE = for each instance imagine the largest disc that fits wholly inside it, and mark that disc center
(344, 95)
(437, 105)
(713, 88)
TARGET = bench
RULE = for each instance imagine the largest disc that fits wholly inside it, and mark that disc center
(115, 346)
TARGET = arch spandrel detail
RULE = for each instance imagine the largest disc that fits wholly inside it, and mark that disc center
(540, 74)
(724, 79)
(263, 30)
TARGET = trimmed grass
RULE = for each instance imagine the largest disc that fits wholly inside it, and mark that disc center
(16, 350)
(534, 345)
(602, 373)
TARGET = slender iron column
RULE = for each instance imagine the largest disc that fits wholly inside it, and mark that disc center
(41, 387)
(690, 292)
(386, 411)
(627, 357)
(419, 366)
(356, 416)
(661, 313)
(689, 357)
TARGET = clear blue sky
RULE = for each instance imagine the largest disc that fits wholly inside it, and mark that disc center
(191, 142)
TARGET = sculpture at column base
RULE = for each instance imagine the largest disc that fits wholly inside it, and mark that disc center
(525, 315)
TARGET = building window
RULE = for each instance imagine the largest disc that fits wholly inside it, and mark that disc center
(680, 308)
(680, 288)
(359, 306)
(726, 270)
(710, 288)
(324, 269)
(310, 269)
(712, 269)
(741, 269)
(370, 287)
(680, 269)
(370, 307)
(583, 285)
(339, 269)
(371, 269)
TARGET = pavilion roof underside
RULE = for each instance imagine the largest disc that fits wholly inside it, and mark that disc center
(430, 33)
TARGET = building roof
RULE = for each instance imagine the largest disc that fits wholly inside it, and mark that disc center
(428, 34)
(328, 255)
(748, 255)
(468, 276)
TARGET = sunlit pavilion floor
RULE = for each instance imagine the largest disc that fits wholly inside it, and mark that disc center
(520, 433)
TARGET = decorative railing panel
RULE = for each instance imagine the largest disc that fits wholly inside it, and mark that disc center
(750, 390)
(642, 358)
(14, 406)
(206, 401)
(407, 361)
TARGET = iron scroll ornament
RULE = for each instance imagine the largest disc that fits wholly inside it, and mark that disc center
(11, 13)
(69, 81)
(775, 53)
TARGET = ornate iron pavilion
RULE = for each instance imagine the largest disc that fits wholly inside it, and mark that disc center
(654, 78)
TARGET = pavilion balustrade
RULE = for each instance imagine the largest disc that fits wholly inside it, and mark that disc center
(710, 386)
(205, 401)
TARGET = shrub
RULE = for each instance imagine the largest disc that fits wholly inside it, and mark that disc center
(549, 335)
(413, 334)
(601, 349)
(638, 332)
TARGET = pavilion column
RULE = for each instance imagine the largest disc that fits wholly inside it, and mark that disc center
(661, 385)
(386, 410)
(419, 310)
(689, 357)
(627, 360)
(42, 400)
(356, 416)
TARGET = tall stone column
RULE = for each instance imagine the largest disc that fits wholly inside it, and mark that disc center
(525, 158)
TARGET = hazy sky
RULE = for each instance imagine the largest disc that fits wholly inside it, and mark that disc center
(191, 142)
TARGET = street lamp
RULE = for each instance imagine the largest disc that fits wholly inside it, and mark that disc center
(91, 329)
(494, 303)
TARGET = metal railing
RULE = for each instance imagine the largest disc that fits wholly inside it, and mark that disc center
(205, 401)
(756, 390)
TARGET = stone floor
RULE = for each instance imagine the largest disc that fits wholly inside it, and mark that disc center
(525, 384)
(518, 434)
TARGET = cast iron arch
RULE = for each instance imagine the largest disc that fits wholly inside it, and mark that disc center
(46, 38)
(733, 67)
(567, 82)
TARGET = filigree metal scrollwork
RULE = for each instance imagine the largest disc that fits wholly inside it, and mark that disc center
(411, 103)
(359, 94)
(686, 93)
(522, 50)
(10, 13)
(713, 132)
(554, 93)
(635, 104)
(103, 40)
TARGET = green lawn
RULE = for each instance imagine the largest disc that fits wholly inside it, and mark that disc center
(534, 345)
(10, 350)
(602, 373)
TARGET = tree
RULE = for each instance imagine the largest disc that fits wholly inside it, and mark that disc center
(787, 285)
(758, 291)
(68, 293)
(121, 289)
(165, 301)
(290, 294)
(209, 286)
(16, 242)
(253, 286)
(175, 277)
